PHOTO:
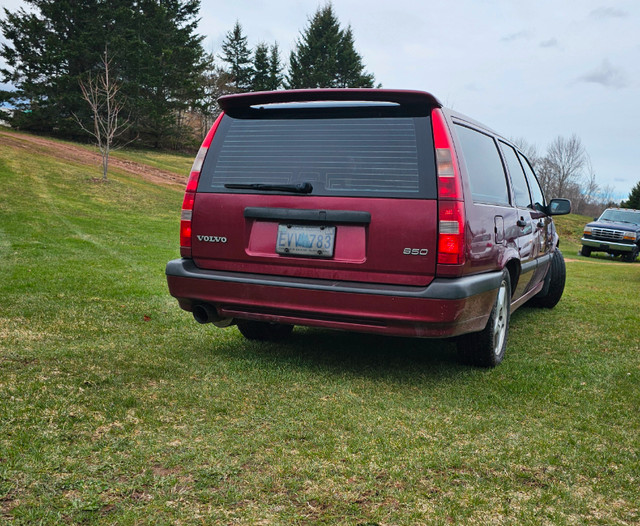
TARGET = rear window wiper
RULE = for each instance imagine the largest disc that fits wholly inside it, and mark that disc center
(302, 188)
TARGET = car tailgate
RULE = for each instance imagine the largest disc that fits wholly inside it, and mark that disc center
(379, 240)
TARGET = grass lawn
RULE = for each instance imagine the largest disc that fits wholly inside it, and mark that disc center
(176, 162)
(117, 408)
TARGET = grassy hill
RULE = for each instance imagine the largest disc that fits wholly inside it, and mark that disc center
(570, 229)
(117, 408)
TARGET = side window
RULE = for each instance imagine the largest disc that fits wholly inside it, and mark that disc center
(486, 173)
(534, 186)
(518, 179)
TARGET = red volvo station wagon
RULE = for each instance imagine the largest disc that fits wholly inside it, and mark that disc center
(364, 210)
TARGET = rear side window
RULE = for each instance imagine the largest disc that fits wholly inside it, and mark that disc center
(486, 173)
(340, 155)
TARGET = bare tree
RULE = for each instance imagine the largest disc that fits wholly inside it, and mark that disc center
(529, 150)
(545, 173)
(566, 171)
(216, 82)
(589, 195)
(566, 159)
(606, 197)
(102, 93)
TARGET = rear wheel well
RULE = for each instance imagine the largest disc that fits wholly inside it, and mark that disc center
(513, 266)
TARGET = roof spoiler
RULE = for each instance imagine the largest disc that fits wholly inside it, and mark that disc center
(403, 97)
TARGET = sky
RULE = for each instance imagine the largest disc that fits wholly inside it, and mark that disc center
(531, 69)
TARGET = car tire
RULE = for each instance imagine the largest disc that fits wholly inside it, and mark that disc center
(264, 331)
(585, 251)
(631, 256)
(487, 347)
(554, 282)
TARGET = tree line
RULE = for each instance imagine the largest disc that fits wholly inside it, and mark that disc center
(137, 70)
(166, 83)
(565, 170)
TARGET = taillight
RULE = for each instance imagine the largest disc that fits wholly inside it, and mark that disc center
(190, 192)
(451, 233)
(451, 219)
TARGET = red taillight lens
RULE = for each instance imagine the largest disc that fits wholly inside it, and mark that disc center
(451, 220)
(185, 222)
(446, 163)
(451, 233)
(190, 192)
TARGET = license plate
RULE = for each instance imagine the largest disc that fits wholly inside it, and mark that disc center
(299, 240)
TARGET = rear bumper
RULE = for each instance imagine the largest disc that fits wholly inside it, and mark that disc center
(446, 307)
(606, 246)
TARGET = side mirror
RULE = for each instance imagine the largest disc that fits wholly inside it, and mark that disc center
(559, 207)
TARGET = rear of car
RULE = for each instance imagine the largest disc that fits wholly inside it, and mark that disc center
(342, 209)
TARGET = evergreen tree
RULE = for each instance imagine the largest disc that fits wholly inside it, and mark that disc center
(45, 60)
(267, 69)
(157, 60)
(275, 68)
(350, 70)
(325, 56)
(163, 64)
(634, 198)
(260, 81)
(236, 53)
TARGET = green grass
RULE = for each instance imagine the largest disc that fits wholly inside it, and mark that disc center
(570, 229)
(117, 408)
(172, 161)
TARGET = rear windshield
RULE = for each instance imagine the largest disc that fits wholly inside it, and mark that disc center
(341, 153)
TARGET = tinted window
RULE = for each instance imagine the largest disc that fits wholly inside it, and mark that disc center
(518, 179)
(486, 173)
(534, 186)
(623, 216)
(341, 155)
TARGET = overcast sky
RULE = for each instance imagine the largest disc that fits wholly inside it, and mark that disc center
(530, 69)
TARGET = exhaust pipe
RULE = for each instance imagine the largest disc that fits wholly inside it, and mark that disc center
(204, 313)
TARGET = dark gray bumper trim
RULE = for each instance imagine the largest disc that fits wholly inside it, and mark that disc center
(598, 244)
(439, 288)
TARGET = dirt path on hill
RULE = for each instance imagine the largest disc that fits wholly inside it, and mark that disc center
(80, 155)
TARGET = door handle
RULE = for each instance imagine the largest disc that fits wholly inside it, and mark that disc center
(521, 222)
(540, 224)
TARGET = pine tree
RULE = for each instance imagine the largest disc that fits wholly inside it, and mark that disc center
(350, 72)
(275, 68)
(325, 56)
(634, 198)
(260, 81)
(237, 54)
(45, 61)
(157, 60)
(163, 64)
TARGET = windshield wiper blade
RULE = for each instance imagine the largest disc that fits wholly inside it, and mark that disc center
(302, 188)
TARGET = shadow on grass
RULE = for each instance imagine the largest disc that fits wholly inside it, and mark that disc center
(330, 352)
(603, 256)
